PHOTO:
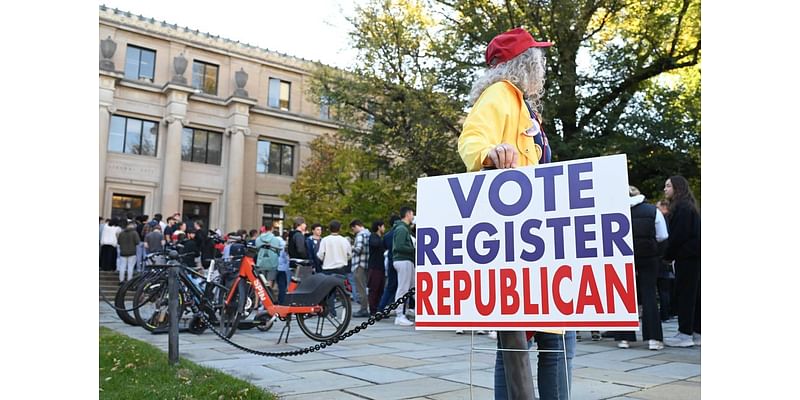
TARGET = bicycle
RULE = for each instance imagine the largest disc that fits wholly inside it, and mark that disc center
(319, 302)
(151, 301)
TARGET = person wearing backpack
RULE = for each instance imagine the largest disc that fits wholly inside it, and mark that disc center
(270, 247)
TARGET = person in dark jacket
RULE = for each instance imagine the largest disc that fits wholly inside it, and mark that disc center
(188, 247)
(666, 274)
(296, 246)
(391, 273)
(375, 267)
(128, 241)
(205, 244)
(312, 246)
(684, 249)
(649, 229)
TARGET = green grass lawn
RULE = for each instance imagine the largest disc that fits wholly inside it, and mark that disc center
(132, 369)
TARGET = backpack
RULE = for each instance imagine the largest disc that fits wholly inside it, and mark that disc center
(268, 258)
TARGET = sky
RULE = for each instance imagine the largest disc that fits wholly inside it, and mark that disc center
(314, 30)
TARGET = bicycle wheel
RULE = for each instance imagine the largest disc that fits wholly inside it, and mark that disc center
(333, 319)
(231, 312)
(151, 303)
(122, 305)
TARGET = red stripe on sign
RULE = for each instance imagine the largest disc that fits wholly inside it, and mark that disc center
(573, 324)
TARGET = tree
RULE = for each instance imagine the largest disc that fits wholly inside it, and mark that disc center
(625, 47)
(623, 76)
(396, 84)
(343, 182)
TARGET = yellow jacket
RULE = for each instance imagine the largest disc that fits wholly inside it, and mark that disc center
(499, 116)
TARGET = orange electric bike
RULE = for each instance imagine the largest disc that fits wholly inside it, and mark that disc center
(319, 302)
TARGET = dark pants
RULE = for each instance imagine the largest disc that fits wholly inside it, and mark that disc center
(391, 288)
(375, 282)
(687, 293)
(665, 301)
(283, 283)
(646, 276)
(108, 258)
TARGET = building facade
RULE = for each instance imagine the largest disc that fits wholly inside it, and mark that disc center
(197, 124)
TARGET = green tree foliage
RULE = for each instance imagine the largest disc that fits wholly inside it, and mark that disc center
(342, 181)
(623, 77)
(605, 71)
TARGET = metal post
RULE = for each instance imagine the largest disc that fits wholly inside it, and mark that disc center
(517, 364)
(173, 314)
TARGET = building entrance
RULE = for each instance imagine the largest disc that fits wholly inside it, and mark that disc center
(122, 204)
(196, 210)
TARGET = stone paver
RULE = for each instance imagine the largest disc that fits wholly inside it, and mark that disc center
(376, 374)
(407, 389)
(680, 390)
(673, 370)
(392, 362)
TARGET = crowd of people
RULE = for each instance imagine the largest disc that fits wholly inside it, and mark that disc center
(378, 263)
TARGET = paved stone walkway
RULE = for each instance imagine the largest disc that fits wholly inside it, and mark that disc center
(392, 362)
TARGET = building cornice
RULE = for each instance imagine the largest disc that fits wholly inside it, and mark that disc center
(293, 117)
(206, 41)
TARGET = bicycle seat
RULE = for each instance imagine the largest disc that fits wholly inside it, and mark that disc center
(313, 289)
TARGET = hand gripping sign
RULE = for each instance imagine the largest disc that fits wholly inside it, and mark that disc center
(532, 248)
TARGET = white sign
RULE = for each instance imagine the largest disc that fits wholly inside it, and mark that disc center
(542, 247)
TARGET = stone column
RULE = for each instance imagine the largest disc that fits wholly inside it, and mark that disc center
(107, 87)
(235, 181)
(177, 101)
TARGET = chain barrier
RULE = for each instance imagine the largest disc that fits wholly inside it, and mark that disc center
(364, 325)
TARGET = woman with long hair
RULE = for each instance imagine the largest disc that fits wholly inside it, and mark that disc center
(684, 249)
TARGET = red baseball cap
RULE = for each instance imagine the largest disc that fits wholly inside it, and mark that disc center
(510, 44)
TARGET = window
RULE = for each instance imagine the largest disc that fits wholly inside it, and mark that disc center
(279, 94)
(139, 63)
(325, 107)
(272, 218)
(204, 77)
(275, 158)
(201, 146)
(132, 136)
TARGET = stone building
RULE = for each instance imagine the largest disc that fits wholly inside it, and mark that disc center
(198, 124)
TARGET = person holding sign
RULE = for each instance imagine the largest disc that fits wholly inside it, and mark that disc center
(503, 130)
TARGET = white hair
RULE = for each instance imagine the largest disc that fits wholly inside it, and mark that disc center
(525, 71)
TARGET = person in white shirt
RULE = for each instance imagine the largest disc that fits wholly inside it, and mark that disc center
(334, 250)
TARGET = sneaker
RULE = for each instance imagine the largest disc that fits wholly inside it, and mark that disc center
(655, 344)
(361, 314)
(623, 344)
(402, 321)
(680, 340)
(480, 332)
(459, 332)
(696, 339)
(493, 335)
(595, 336)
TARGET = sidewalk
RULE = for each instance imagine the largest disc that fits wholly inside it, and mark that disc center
(392, 362)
